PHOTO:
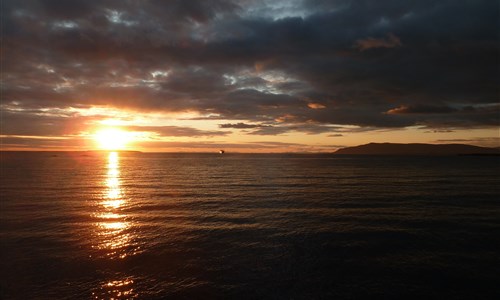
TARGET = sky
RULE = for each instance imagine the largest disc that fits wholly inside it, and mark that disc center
(249, 75)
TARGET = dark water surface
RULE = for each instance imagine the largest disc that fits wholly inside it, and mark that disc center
(244, 226)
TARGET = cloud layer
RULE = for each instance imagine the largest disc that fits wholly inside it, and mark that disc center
(281, 66)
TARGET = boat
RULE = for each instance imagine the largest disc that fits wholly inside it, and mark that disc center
(221, 151)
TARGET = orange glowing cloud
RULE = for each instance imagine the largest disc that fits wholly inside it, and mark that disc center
(315, 106)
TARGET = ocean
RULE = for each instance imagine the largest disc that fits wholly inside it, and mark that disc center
(125, 225)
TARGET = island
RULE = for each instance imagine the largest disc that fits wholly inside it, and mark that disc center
(417, 149)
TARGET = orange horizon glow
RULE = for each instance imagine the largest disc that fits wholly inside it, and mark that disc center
(154, 132)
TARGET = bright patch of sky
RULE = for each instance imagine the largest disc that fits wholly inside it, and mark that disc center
(64, 25)
(262, 81)
(159, 73)
(276, 9)
(116, 17)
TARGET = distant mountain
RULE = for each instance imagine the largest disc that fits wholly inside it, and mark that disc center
(418, 149)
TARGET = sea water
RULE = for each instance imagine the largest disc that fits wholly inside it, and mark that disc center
(84, 225)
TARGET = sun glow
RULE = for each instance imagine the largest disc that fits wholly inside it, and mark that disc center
(113, 138)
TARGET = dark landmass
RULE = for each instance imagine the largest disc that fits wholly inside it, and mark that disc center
(417, 149)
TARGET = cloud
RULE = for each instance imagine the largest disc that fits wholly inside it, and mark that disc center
(58, 123)
(291, 63)
(23, 143)
(391, 41)
(493, 142)
(439, 131)
(242, 125)
(315, 106)
(307, 128)
(277, 128)
(75, 143)
(43, 123)
(421, 109)
(272, 130)
(176, 131)
(259, 146)
(443, 117)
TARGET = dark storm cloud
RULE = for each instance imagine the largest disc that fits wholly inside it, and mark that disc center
(375, 64)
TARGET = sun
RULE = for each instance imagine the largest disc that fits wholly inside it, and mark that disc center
(112, 138)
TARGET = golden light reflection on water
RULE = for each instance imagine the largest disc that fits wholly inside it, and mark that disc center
(115, 239)
(116, 289)
(114, 193)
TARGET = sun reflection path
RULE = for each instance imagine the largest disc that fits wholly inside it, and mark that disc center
(114, 192)
(115, 238)
(116, 289)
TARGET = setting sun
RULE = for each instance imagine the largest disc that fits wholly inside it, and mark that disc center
(112, 139)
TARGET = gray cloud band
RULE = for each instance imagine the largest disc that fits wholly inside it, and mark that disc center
(383, 64)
